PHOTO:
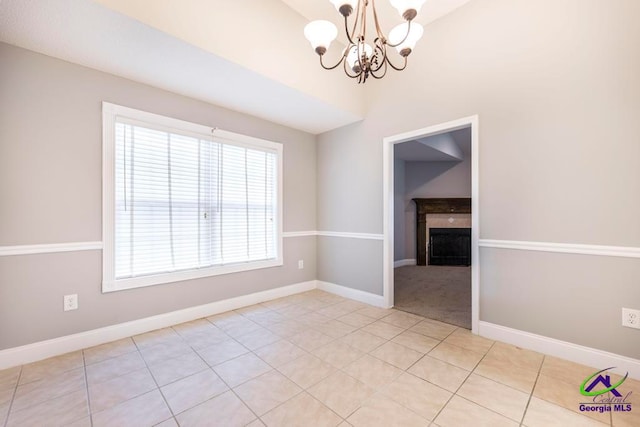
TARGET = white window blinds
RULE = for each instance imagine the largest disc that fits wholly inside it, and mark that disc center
(184, 201)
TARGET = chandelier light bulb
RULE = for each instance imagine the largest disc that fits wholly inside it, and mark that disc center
(408, 9)
(359, 59)
(320, 34)
(353, 59)
(399, 32)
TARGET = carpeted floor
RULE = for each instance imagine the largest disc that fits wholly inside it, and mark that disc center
(436, 292)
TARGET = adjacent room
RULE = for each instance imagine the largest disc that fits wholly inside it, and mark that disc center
(432, 227)
(319, 213)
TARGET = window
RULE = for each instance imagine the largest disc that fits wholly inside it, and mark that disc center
(182, 201)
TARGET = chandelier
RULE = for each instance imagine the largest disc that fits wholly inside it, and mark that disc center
(361, 59)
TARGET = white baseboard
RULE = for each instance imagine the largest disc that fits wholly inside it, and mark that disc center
(354, 294)
(576, 353)
(54, 347)
(57, 346)
(404, 263)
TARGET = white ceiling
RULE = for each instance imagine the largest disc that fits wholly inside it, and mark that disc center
(225, 52)
(389, 16)
(447, 147)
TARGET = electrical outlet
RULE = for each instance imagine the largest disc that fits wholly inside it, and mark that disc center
(300, 264)
(631, 318)
(70, 302)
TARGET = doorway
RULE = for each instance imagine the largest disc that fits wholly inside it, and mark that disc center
(435, 138)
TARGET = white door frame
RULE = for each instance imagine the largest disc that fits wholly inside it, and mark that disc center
(388, 158)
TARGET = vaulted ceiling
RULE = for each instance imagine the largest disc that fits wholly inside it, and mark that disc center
(245, 55)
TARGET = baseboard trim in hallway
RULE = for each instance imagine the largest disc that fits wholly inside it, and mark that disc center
(404, 263)
(562, 349)
(354, 294)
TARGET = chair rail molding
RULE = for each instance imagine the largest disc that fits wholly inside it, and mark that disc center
(366, 236)
(49, 248)
(567, 248)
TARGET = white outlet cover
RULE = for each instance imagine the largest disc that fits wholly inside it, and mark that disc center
(70, 302)
(631, 318)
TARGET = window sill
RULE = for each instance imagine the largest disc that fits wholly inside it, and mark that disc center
(159, 279)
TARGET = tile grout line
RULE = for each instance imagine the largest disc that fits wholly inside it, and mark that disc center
(44, 378)
(110, 357)
(498, 382)
(313, 328)
(560, 405)
(430, 350)
(153, 378)
(526, 408)
(247, 405)
(221, 379)
(377, 391)
(13, 396)
(302, 390)
(86, 384)
(208, 367)
(306, 390)
(322, 403)
(610, 416)
(455, 393)
(333, 340)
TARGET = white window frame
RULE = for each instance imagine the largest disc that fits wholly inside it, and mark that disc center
(110, 112)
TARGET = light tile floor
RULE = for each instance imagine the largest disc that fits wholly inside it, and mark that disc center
(312, 359)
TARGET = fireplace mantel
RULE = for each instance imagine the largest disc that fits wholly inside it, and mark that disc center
(435, 206)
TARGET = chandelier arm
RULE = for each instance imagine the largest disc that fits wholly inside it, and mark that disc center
(363, 24)
(346, 29)
(377, 23)
(393, 66)
(377, 62)
(379, 52)
(333, 66)
(405, 37)
(381, 48)
(355, 23)
(383, 73)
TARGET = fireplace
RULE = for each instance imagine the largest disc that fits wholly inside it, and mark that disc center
(449, 214)
(450, 246)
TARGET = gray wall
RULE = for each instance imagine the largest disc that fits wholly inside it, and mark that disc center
(438, 179)
(555, 86)
(50, 192)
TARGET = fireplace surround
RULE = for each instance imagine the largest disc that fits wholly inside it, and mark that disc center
(439, 206)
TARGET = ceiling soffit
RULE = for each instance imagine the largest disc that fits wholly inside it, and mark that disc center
(223, 52)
